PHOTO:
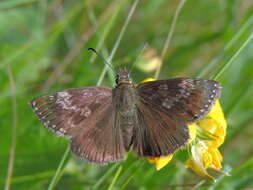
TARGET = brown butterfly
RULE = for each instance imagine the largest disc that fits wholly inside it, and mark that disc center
(103, 123)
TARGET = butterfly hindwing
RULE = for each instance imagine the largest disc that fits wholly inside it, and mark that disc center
(101, 142)
(156, 133)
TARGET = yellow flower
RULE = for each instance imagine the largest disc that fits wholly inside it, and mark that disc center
(160, 162)
(204, 151)
(206, 136)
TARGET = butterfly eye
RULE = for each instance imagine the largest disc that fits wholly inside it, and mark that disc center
(117, 79)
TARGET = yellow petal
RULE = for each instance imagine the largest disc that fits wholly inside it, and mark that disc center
(196, 161)
(192, 132)
(160, 162)
(204, 157)
(216, 158)
(198, 169)
(214, 125)
(148, 80)
(214, 130)
(217, 114)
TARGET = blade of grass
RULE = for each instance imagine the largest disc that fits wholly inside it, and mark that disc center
(231, 60)
(169, 36)
(32, 177)
(57, 175)
(131, 177)
(103, 178)
(116, 45)
(14, 129)
(115, 178)
(102, 35)
(14, 3)
(234, 39)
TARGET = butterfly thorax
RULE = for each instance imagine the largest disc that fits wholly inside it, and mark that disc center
(125, 94)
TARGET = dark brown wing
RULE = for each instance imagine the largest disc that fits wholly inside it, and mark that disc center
(182, 98)
(157, 134)
(165, 109)
(101, 141)
(86, 116)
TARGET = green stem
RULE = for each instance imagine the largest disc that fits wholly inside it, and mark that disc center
(14, 129)
(115, 178)
(116, 45)
(58, 171)
(169, 36)
(226, 65)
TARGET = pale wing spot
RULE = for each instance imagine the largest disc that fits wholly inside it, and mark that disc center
(34, 104)
(87, 111)
(63, 94)
(46, 123)
(62, 130)
(65, 102)
(167, 103)
(188, 93)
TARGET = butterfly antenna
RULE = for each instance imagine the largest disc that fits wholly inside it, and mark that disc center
(101, 57)
(139, 56)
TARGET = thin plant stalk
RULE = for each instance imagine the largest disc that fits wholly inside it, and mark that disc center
(169, 36)
(231, 60)
(116, 45)
(115, 178)
(217, 58)
(105, 175)
(14, 129)
(56, 177)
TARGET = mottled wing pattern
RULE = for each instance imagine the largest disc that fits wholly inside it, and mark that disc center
(63, 111)
(85, 116)
(181, 98)
(101, 142)
(165, 109)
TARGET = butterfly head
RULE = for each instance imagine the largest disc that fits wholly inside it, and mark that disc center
(123, 76)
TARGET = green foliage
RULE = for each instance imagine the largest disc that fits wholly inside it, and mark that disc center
(44, 45)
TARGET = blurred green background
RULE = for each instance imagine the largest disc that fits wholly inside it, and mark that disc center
(43, 49)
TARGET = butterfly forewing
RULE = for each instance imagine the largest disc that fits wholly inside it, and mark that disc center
(62, 112)
(183, 99)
